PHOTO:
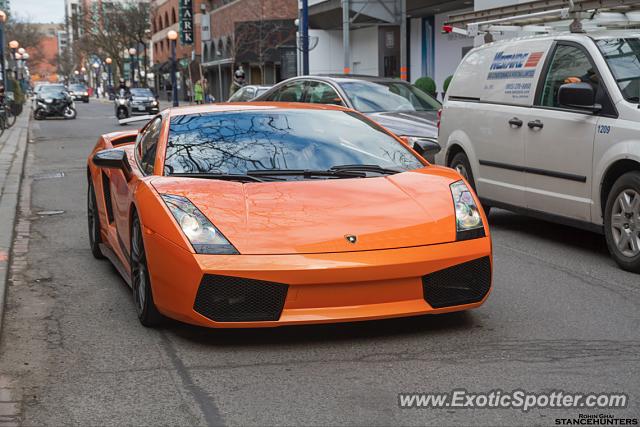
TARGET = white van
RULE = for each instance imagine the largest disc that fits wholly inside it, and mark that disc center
(550, 126)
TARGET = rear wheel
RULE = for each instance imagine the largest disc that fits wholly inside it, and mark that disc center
(142, 296)
(93, 221)
(622, 221)
(11, 118)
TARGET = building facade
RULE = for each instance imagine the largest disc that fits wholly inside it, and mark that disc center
(374, 37)
(257, 35)
(165, 16)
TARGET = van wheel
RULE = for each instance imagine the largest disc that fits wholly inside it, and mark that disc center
(460, 163)
(622, 221)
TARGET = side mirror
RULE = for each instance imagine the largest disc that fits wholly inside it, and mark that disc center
(578, 95)
(426, 147)
(113, 158)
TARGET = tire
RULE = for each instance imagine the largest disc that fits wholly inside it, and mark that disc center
(10, 118)
(37, 114)
(146, 309)
(622, 221)
(460, 163)
(70, 113)
(93, 221)
(122, 114)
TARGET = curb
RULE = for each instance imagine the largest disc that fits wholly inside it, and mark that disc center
(9, 196)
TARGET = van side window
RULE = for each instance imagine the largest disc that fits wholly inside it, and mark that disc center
(570, 64)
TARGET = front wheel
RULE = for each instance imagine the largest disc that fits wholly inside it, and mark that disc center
(11, 118)
(70, 113)
(622, 221)
(38, 114)
(146, 309)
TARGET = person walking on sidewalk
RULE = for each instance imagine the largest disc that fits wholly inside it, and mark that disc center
(198, 93)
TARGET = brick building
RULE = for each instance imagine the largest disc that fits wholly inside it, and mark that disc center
(164, 18)
(42, 62)
(259, 35)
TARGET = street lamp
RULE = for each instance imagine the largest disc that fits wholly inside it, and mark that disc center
(84, 74)
(96, 70)
(173, 37)
(14, 45)
(108, 61)
(3, 19)
(132, 56)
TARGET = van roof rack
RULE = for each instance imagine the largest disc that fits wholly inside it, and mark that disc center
(532, 17)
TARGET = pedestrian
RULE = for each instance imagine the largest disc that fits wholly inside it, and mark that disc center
(198, 93)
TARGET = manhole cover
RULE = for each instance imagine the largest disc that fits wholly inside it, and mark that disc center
(48, 175)
(49, 213)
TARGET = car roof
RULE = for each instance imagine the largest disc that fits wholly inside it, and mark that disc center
(340, 78)
(249, 106)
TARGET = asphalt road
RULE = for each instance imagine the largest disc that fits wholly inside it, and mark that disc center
(561, 316)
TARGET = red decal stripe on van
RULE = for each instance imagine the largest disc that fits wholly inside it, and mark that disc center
(534, 59)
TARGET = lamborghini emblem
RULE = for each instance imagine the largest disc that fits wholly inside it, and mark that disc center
(351, 238)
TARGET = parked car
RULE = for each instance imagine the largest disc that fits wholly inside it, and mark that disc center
(395, 104)
(272, 215)
(79, 92)
(550, 126)
(248, 92)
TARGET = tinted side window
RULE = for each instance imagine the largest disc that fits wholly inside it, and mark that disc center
(292, 92)
(148, 145)
(322, 93)
(569, 64)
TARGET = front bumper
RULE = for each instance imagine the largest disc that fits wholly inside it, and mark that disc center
(142, 109)
(320, 288)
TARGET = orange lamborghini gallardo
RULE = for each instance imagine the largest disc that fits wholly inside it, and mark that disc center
(258, 215)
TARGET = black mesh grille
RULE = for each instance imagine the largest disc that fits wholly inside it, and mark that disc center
(461, 284)
(106, 189)
(235, 299)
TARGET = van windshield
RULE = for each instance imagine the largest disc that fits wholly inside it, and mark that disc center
(623, 57)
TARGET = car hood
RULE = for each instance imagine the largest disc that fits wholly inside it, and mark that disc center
(304, 217)
(408, 123)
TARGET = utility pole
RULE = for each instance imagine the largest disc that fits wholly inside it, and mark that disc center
(304, 30)
(403, 40)
(345, 37)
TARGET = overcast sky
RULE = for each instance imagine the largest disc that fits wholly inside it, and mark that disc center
(39, 10)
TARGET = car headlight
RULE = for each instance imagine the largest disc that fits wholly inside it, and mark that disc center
(48, 100)
(468, 219)
(85, 93)
(154, 103)
(202, 234)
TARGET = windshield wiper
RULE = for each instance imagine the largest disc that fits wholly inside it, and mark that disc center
(307, 173)
(365, 168)
(221, 176)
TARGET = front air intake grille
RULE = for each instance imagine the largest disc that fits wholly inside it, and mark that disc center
(236, 299)
(461, 284)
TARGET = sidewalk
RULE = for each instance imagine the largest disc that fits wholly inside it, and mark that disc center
(13, 146)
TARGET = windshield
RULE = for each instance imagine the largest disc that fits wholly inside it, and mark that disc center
(369, 97)
(78, 88)
(238, 142)
(141, 92)
(623, 58)
(52, 91)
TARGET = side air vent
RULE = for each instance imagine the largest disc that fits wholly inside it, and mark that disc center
(106, 189)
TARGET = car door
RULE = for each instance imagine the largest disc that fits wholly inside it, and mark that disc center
(145, 154)
(559, 140)
(289, 92)
(318, 92)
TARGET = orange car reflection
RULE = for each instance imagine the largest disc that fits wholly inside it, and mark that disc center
(204, 244)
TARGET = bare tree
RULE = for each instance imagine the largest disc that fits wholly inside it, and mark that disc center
(28, 34)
